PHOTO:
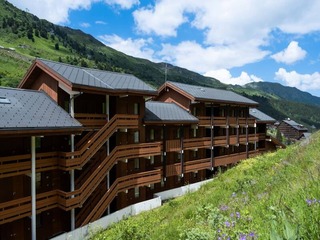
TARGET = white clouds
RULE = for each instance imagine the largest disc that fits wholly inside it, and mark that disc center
(100, 22)
(291, 54)
(303, 82)
(201, 59)
(134, 47)
(228, 28)
(162, 20)
(223, 75)
(53, 11)
(58, 11)
(85, 25)
(123, 4)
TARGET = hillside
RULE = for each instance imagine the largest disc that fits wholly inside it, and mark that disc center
(273, 196)
(288, 93)
(24, 37)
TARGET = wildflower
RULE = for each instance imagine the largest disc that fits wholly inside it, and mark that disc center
(238, 215)
(227, 224)
(231, 215)
(309, 202)
(234, 194)
(251, 234)
(224, 208)
(243, 237)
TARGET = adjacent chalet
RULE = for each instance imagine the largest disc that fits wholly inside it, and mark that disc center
(78, 144)
(292, 130)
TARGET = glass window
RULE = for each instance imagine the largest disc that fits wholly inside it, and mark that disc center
(136, 108)
(151, 160)
(136, 137)
(151, 134)
(136, 163)
(136, 192)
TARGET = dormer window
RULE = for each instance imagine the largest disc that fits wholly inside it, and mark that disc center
(4, 100)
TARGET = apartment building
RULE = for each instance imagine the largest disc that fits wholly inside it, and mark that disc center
(79, 143)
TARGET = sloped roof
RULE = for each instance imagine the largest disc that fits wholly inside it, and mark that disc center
(260, 116)
(295, 125)
(213, 94)
(161, 112)
(32, 110)
(100, 79)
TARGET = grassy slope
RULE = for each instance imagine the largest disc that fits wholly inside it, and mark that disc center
(264, 197)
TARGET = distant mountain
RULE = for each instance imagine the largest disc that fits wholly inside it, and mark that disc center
(23, 37)
(289, 93)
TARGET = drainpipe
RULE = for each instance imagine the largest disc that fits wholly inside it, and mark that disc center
(212, 138)
(182, 151)
(108, 142)
(164, 153)
(33, 189)
(73, 222)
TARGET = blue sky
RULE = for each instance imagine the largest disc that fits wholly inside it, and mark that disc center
(235, 41)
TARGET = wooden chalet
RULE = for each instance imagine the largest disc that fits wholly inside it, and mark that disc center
(79, 143)
(292, 130)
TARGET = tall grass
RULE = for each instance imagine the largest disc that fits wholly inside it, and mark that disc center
(274, 196)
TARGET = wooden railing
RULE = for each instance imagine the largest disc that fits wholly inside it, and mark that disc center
(121, 184)
(91, 120)
(84, 140)
(173, 145)
(219, 121)
(192, 166)
(68, 200)
(21, 164)
(194, 143)
(204, 120)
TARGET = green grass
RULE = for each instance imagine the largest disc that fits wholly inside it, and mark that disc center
(273, 196)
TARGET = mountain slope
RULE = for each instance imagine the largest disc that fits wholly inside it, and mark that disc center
(273, 196)
(288, 93)
(24, 37)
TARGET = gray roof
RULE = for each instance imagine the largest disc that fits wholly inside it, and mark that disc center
(98, 78)
(295, 125)
(31, 110)
(167, 112)
(260, 116)
(212, 94)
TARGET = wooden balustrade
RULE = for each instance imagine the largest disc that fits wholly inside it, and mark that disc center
(204, 120)
(173, 145)
(121, 184)
(197, 165)
(219, 121)
(173, 170)
(21, 164)
(220, 141)
(91, 120)
(193, 143)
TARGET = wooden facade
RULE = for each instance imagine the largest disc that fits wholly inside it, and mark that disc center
(291, 130)
(118, 159)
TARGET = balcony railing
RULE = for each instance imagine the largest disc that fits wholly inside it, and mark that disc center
(91, 120)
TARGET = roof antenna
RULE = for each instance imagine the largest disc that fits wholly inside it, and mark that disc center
(165, 73)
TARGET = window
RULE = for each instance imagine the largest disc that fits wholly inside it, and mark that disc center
(162, 183)
(151, 134)
(136, 163)
(136, 137)
(38, 180)
(136, 108)
(151, 160)
(194, 111)
(151, 186)
(195, 153)
(136, 192)
(195, 130)
(178, 133)
(161, 134)
(38, 142)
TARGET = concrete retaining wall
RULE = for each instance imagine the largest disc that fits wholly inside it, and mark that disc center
(86, 231)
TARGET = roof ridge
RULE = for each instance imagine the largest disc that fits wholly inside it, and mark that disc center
(84, 68)
(97, 79)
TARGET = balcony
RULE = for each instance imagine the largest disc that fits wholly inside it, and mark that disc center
(91, 120)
